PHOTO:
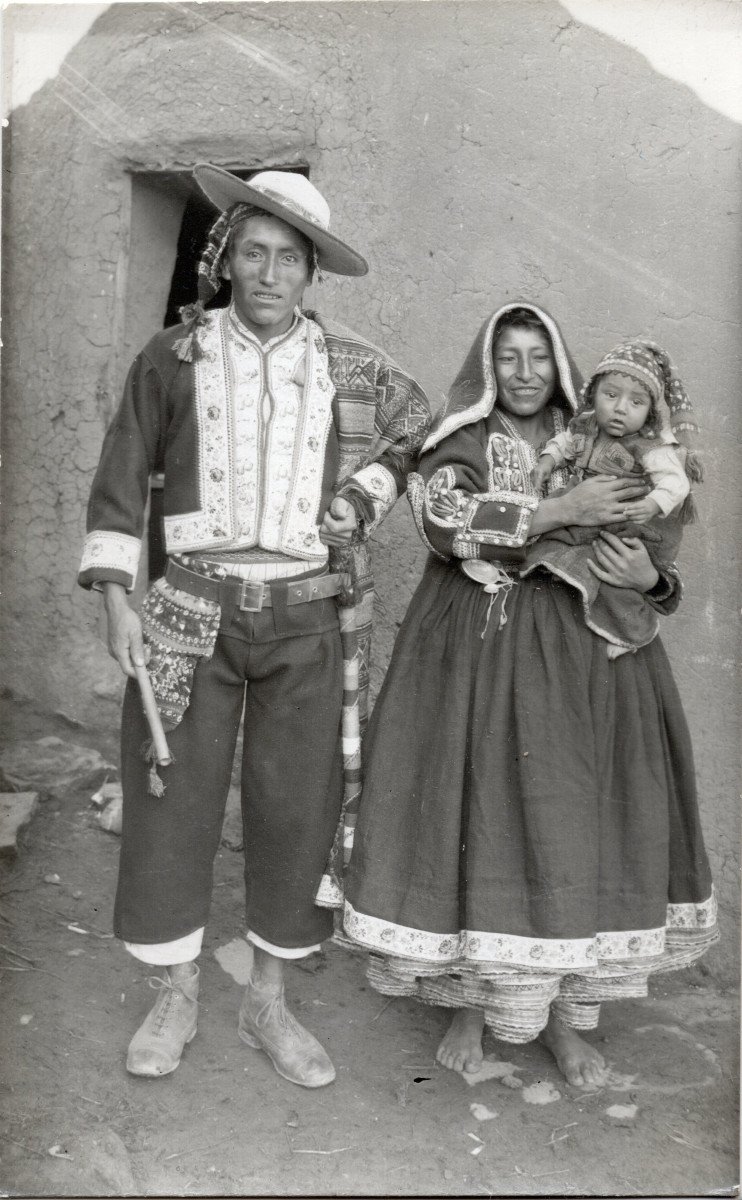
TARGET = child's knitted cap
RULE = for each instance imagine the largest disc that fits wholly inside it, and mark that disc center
(651, 365)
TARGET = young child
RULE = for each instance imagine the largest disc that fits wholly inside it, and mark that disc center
(637, 415)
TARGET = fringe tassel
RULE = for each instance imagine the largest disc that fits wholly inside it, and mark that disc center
(191, 313)
(495, 590)
(187, 348)
(694, 466)
(493, 597)
(316, 269)
(155, 785)
(183, 348)
(688, 511)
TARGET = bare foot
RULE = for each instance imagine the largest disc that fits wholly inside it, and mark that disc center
(580, 1063)
(461, 1048)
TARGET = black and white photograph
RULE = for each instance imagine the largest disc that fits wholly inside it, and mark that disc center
(369, 719)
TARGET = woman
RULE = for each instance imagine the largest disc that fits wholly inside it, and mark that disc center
(528, 843)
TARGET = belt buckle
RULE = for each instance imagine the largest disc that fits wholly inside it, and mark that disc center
(252, 596)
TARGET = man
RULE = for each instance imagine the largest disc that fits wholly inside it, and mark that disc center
(284, 439)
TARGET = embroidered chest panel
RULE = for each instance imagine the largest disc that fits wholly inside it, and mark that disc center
(614, 458)
(263, 420)
(511, 461)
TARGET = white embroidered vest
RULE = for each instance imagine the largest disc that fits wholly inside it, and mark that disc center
(263, 418)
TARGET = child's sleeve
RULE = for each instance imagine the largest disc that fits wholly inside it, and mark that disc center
(561, 448)
(670, 484)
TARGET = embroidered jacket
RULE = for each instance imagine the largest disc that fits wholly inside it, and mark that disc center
(358, 426)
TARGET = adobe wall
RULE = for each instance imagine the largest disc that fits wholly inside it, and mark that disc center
(475, 153)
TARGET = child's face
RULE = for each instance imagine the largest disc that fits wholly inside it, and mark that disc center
(621, 404)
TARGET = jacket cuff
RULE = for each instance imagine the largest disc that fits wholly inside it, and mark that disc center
(109, 558)
(93, 581)
(372, 491)
(667, 593)
(362, 505)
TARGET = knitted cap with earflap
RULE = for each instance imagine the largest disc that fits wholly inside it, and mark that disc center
(647, 362)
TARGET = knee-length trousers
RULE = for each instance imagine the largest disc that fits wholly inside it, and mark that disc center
(285, 665)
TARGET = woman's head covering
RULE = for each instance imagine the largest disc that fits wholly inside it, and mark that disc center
(284, 194)
(647, 362)
(473, 393)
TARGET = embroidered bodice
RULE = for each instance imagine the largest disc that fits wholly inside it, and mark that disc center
(474, 497)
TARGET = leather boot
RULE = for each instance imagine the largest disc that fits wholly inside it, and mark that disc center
(266, 1024)
(158, 1043)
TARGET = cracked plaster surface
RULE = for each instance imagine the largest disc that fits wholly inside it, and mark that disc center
(474, 153)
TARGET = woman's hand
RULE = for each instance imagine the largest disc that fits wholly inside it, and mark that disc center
(624, 562)
(601, 500)
(339, 523)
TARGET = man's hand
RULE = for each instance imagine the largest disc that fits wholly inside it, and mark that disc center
(339, 523)
(624, 562)
(125, 642)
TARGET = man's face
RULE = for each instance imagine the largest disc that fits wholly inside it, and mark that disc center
(269, 268)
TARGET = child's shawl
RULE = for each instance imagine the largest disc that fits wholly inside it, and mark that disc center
(381, 409)
(474, 390)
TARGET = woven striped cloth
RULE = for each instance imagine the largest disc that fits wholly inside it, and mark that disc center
(382, 412)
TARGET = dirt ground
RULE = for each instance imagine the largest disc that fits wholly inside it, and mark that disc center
(393, 1123)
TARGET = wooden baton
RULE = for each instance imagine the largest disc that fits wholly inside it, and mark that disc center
(163, 757)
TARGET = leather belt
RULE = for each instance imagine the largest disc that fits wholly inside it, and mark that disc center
(253, 595)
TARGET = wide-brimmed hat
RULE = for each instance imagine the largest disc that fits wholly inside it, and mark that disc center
(290, 196)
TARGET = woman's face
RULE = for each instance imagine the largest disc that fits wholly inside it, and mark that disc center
(525, 370)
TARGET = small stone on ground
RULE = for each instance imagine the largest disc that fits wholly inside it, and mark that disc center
(52, 766)
(16, 810)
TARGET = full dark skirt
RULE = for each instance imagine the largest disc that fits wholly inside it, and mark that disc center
(529, 828)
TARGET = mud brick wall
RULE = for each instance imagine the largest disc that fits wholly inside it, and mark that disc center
(475, 153)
